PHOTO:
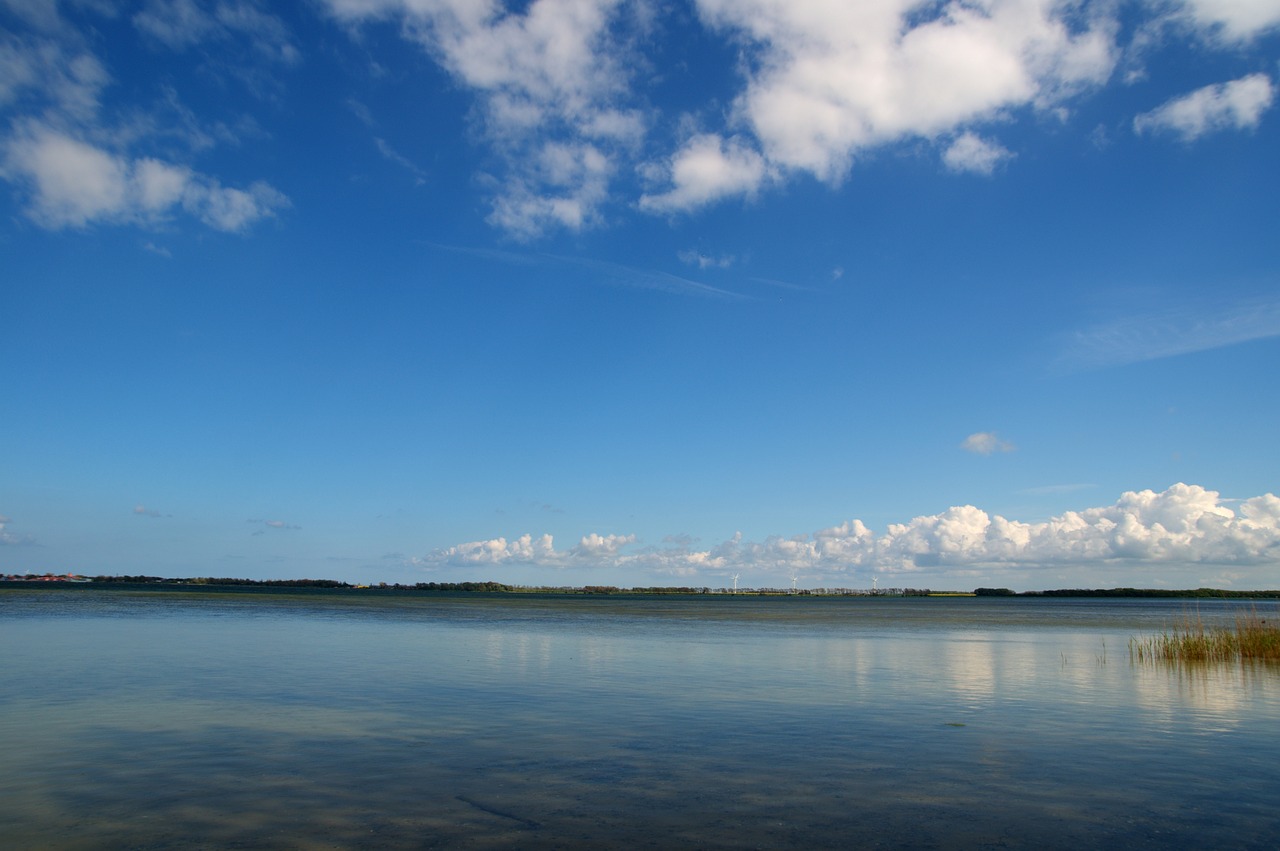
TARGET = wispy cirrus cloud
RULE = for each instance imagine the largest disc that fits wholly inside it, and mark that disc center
(182, 24)
(393, 156)
(604, 272)
(628, 276)
(1191, 328)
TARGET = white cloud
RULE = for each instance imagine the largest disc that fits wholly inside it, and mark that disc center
(595, 545)
(823, 83)
(143, 511)
(523, 550)
(1236, 105)
(41, 14)
(77, 169)
(1237, 20)
(986, 443)
(706, 169)
(970, 152)
(553, 83)
(230, 209)
(1183, 525)
(73, 183)
(69, 79)
(563, 185)
(828, 80)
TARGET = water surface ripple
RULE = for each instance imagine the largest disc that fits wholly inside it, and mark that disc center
(165, 719)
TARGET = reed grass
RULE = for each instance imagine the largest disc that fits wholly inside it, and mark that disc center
(1253, 638)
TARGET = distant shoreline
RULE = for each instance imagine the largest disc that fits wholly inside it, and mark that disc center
(321, 586)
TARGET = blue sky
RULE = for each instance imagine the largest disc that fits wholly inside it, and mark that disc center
(599, 292)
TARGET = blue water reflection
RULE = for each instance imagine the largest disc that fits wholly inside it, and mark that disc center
(306, 720)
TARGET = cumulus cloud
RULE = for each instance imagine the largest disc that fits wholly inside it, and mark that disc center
(523, 550)
(143, 511)
(553, 84)
(594, 545)
(706, 169)
(970, 152)
(1235, 20)
(1236, 105)
(822, 84)
(1183, 525)
(828, 81)
(76, 168)
(985, 443)
(73, 183)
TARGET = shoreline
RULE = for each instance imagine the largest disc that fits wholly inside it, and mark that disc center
(485, 589)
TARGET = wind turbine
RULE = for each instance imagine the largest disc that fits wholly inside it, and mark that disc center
(874, 587)
(793, 584)
(735, 582)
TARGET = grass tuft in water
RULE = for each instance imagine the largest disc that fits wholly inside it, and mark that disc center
(1252, 639)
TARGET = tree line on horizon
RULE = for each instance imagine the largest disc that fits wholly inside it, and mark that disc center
(501, 587)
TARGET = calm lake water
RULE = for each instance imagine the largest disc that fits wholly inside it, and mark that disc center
(167, 719)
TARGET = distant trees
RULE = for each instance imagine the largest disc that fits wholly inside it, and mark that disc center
(223, 580)
(284, 583)
(1131, 592)
(459, 586)
(1154, 592)
(503, 588)
(137, 580)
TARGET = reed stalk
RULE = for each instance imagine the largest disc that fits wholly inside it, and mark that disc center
(1253, 638)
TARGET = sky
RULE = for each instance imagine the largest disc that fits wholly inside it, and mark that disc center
(642, 292)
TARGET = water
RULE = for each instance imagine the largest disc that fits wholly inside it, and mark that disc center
(165, 719)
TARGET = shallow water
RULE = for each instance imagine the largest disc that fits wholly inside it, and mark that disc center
(169, 719)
